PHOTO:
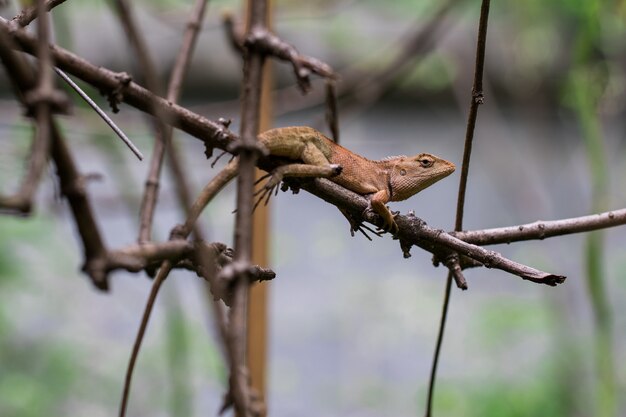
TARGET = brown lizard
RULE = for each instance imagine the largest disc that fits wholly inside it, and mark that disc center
(390, 179)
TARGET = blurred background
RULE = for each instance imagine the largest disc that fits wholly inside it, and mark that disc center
(352, 324)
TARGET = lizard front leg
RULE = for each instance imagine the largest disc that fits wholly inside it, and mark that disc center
(378, 203)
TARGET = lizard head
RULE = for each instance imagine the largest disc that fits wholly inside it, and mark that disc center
(410, 175)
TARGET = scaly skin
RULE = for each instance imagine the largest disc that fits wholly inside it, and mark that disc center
(390, 179)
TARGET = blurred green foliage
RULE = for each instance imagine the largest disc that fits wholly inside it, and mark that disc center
(36, 376)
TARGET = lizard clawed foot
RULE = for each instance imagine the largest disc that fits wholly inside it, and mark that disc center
(390, 224)
(388, 218)
(270, 187)
(391, 227)
(357, 225)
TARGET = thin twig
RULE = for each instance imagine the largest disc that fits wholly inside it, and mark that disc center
(30, 13)
(177, 77)
(332, 113)
(177, 238)
(100, 113)
(544, 229)
(41, 100)
(148, 71)
(476, 100)
(164, 270)
(164, 134)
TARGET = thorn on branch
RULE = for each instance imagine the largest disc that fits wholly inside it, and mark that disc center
(214, 263)
(452, 263)
(227, 278)
(221, 135)
(406, 246)
(478, 97)
(96, 269)
(116, 96)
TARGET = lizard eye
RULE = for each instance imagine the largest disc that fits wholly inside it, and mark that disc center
(426, 163)
(403, 172)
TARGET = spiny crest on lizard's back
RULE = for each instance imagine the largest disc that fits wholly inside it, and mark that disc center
(390, 158)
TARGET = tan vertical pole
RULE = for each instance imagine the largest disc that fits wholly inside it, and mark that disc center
(258, 300)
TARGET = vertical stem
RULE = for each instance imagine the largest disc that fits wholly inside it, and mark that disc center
(259, 293)
(586, 109)
(476, 100)
(250, 121)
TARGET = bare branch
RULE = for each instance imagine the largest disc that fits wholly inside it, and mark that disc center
(149, 74)
(414, 231)
(40, 100)
(30, 13)
(249, 150)
(332, 113)
(108, 81)
(72, 186)
(164, 271)
(266, 42)
(177, 77)
(213, 133)
(138, 257)
(70, 180)
(543, 229)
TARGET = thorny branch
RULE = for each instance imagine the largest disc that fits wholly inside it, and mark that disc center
(214, 134)
(71, 183)
(265, 42)
(41, 101)
(414, 231)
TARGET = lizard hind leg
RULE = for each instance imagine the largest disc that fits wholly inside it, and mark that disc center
(292, 171)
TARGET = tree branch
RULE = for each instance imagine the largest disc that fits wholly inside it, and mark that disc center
(249, 151)
(213, 133)
(543, 229)
(70, 180)
(30, 13)
(414, 231)
(117, 86)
